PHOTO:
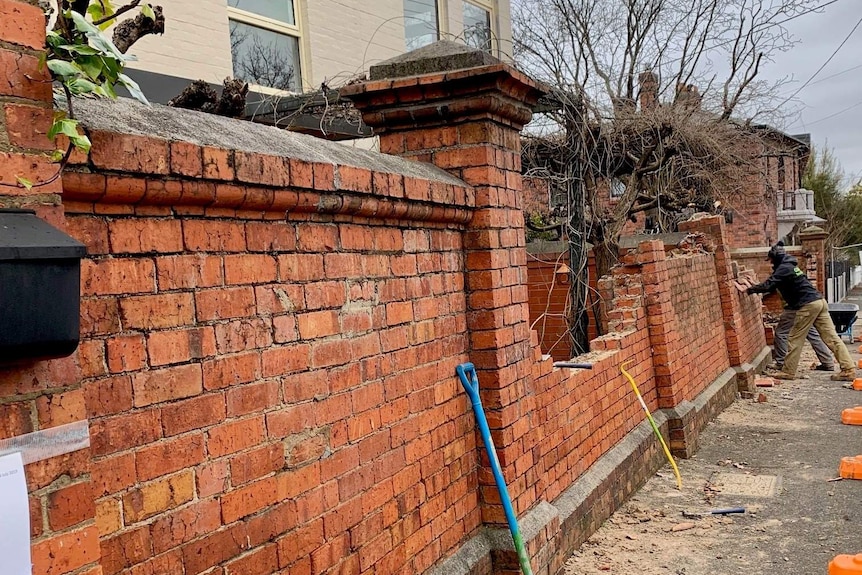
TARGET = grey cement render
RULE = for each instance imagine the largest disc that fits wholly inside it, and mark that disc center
(441, 56)
(127, 116)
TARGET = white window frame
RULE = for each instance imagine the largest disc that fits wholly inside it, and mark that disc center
(491, 7)
(442, 20)
(296, 30)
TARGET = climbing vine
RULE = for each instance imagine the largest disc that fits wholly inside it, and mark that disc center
(86, 63)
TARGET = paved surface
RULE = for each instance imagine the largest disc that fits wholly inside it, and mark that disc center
(775, 458)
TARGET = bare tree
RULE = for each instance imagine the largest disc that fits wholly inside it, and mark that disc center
(655, 99)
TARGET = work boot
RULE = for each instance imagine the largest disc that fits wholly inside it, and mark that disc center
(783, 375)
(822, 367)
(844, 375)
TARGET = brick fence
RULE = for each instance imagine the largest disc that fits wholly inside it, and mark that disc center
(270, 325)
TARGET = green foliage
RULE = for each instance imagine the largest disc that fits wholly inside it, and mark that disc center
(87, 63)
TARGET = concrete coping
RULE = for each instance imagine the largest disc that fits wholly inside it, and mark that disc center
(127, 116)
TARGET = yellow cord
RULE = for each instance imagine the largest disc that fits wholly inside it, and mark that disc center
(652, 423)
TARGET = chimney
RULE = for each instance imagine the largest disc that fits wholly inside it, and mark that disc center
(649, 90)
(688, 96)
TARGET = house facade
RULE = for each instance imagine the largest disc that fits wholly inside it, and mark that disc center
(283, 46)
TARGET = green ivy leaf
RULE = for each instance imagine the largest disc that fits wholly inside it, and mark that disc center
(80, 86)
(96, 39)
(82, 49)
(57, 155)
(133, 88)
(63, 68)
(24, 182)
(69, 128)
(147, 11)
(92, 66)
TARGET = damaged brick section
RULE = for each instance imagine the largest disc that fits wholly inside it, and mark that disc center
(271, 326)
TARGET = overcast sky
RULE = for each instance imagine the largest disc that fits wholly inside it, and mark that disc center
(835, 89)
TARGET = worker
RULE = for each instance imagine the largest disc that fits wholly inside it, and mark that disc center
(779, 344)
(811, 310)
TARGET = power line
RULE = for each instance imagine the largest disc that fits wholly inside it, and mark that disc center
(830, 116)
(820, 69)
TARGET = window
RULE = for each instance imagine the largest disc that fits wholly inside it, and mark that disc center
(618, 188)
(265, 43)
(421, 23)
(477, 26)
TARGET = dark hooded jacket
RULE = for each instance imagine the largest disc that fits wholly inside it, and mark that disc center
(790, 281)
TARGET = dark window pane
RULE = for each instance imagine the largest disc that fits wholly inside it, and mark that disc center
(281, 10)
(420, 23)
(477, 27)
(264, 57)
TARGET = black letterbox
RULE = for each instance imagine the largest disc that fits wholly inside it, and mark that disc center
(40, 288)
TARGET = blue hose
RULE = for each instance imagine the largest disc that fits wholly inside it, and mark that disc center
(470, 380)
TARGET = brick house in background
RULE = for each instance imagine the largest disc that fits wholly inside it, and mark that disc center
(303, 44)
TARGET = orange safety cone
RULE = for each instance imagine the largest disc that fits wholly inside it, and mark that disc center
(846, 565)
(850, 467)
(860, 349)
(852, 416)
(859, 364)
(857, 384)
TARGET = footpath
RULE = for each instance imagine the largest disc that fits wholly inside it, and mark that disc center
(776, 455)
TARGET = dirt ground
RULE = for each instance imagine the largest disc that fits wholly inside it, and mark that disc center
(775, 458)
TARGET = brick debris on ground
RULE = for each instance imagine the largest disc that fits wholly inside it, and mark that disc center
(792, 443)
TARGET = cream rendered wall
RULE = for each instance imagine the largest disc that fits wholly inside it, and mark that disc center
(342, 37)
(195, 45)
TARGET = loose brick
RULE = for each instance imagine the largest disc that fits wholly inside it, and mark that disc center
(157, 311)
(195, 413)
(168, 456)
(161, 385)
(158, 496)
(235, 436)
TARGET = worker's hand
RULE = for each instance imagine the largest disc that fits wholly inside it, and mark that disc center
(740, 286)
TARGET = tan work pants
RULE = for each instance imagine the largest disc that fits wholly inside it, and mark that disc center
(815, 313)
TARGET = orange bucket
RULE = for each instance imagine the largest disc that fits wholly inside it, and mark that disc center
(852, 416)
(857, 384)
(851, 468)
(846, 565)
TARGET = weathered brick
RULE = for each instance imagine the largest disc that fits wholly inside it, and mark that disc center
(158, 496)
(65, 553)
(249, 499)
(225, 303)
(70, 506)
(235, 436)
(117, 276)
(178, 527)
(169, 456)
(113, 434)
(125, 550)
(189, 271)
(61, 408)
(195, 413)
(252, 398)
(140, 235)
(249, 269)
(157, 311)
(157, 386)
(166, 347)
(254, 464)
(129, 153)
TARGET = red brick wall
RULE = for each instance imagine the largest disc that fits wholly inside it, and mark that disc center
(263, 393)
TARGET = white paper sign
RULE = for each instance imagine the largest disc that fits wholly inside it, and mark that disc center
(14, 517)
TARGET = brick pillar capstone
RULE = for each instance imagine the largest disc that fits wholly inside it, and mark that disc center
(813, 240)
(462, 110)
(38, 395)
